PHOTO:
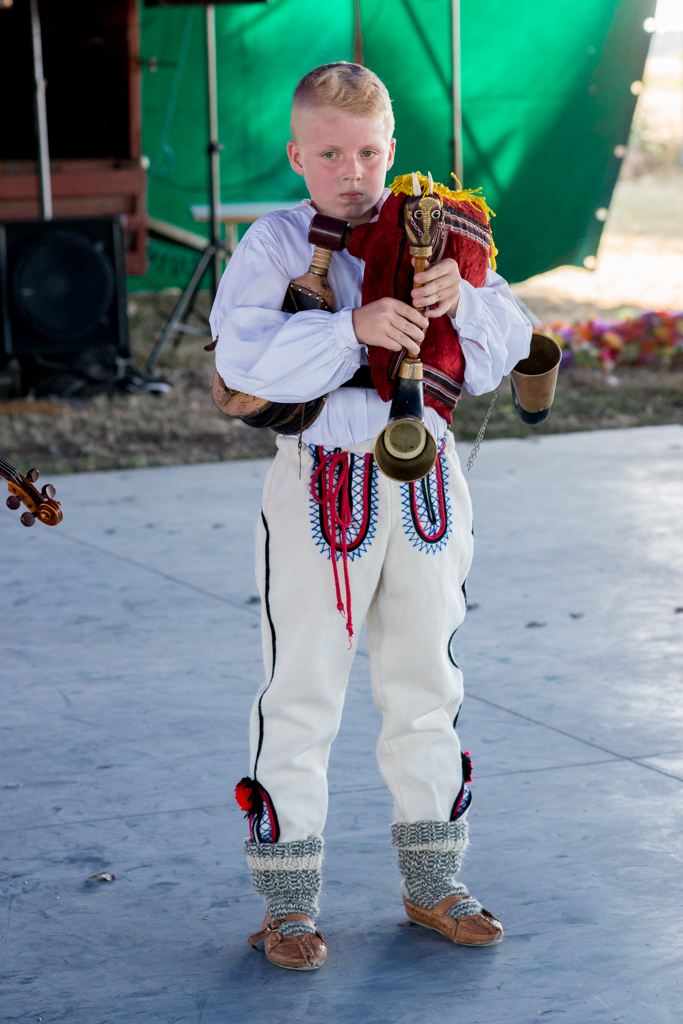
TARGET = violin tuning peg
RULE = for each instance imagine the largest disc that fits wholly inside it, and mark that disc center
(48, 491)
(28, 519)
(13, 502)
(32, 475)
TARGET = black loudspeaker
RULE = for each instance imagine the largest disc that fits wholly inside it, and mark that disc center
(63, 287)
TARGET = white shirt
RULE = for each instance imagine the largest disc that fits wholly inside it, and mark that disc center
(287, 357)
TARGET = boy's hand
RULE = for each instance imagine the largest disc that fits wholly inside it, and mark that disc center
(390, 324)
(438, 286)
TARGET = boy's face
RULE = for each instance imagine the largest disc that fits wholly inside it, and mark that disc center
(344, 160)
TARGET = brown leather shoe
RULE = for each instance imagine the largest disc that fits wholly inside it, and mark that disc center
(295, 952)
(477, 930)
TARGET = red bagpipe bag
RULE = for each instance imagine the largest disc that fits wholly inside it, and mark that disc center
(466, 238)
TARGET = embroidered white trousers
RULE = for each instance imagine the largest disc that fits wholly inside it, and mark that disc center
(409, 551)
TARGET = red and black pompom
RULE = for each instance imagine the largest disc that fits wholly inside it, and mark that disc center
(258, 807)
(248, 796)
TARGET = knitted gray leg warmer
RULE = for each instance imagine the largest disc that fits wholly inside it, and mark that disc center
(429, 856)
(288, 876)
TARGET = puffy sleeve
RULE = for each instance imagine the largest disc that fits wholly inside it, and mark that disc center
(280, 356)
(494, 333)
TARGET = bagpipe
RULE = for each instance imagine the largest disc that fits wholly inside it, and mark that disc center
(420, 223)
(310, 291)
(39, 504)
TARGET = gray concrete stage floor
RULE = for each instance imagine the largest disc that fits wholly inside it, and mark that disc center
(130, 655)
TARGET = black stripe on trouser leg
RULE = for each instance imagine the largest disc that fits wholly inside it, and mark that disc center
(450, 648)
(273, 638)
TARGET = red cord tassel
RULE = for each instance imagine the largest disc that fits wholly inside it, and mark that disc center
(334, 498)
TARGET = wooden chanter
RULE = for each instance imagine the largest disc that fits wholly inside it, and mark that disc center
(405, 450)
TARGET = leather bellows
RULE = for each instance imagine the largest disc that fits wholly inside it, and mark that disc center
(310, 291)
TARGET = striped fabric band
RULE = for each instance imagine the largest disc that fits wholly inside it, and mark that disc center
(462, 224)
(441, 387)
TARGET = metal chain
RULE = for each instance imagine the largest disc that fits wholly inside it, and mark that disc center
(482, 431)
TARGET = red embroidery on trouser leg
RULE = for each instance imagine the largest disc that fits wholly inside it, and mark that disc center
(334, 498)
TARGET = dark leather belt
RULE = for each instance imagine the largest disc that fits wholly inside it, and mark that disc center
(362, 378)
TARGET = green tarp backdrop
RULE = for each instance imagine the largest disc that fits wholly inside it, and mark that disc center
(546, 98)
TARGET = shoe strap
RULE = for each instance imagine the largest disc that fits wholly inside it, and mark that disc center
(450, 901)
(258, 936)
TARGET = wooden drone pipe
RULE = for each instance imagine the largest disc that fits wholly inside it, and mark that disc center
(309, 291)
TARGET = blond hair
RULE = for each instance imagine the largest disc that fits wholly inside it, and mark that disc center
(348, 87)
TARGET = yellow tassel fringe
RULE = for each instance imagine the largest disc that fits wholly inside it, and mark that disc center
(403, 185)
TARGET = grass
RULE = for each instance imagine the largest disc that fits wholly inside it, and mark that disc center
(126, 431)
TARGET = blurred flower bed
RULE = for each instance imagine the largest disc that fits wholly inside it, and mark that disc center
(654, 338)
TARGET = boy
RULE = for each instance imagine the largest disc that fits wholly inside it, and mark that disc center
(406, 550)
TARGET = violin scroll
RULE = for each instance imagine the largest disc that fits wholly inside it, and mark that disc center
(39, 504)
